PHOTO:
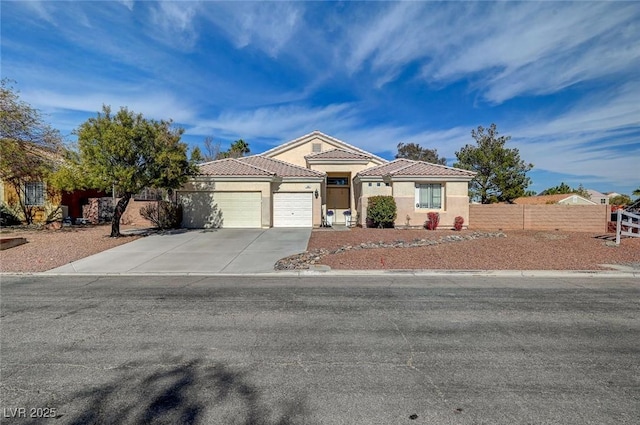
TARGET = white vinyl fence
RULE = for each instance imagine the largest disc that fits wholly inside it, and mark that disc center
(627, 224)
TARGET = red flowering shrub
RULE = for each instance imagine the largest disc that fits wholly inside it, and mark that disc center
(458, 222)
(433, 219)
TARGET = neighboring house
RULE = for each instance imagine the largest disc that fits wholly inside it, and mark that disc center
(597, 197)
(612, 194)
(41, 201)
(562, 199)
(299, 182)
(47, 204)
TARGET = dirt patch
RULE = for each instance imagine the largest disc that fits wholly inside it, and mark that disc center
(47, 249)
(519, 250)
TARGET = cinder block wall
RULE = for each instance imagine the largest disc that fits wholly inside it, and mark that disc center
(100, 210)
(132, 215)
(496, 216)
(575, 218)
(578, 218)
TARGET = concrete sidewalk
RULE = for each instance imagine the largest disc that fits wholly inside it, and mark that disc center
(228, 251)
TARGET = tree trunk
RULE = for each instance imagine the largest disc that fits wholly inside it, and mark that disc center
(121, 206)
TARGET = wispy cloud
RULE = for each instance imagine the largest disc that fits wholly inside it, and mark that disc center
(505, 49)
(560, 77)
(279, 122)
(598, 136)
(267, 26)
(173, 23)
(158, 105)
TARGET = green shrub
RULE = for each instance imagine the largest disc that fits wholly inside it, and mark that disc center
(163, 214)
(382, 211)
(8, 216)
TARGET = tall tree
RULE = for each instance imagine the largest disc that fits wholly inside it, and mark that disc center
(196, 156)
(501, 174)
(30, 150)
(564, 188)
(239, 148)
(620, 200)
(211, 149)
(636, 192)
(417, 153)
(129, 152)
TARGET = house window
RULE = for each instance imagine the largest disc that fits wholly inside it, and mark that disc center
(34, 193)
(316, 147)
(337, 181)
(603, 201)
(429, 196)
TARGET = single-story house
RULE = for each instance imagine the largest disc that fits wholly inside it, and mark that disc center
(301, 182)
(562, 199)
(597, 197)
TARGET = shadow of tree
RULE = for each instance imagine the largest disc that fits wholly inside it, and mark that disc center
(199, 211)
(190, 393)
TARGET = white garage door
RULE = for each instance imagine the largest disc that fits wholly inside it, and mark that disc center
(203, 210)
(292, 210)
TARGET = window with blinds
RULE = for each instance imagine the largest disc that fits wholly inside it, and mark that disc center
(34, 193)
(429, 196)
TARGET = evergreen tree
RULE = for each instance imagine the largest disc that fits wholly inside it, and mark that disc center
(418, 153)
(501, 174)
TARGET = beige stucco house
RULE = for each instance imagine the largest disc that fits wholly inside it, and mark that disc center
(315, 178)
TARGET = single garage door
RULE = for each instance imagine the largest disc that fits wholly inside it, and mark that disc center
(203, 210)
(292, 209)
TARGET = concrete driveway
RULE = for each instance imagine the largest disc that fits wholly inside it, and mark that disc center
(233, 251)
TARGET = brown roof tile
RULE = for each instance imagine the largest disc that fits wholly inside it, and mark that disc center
(420, 168)
(281, 168)
(338, 154)
(385, 169)
(409, 168)
(232, 167)
(255, 166)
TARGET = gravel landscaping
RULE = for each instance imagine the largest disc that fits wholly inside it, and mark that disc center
(509, 250)
(48, 249)
(358, 248)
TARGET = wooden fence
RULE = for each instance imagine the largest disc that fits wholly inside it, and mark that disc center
(627, 224)
(578, 218)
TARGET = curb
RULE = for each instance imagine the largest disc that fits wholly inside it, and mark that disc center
(413, 273)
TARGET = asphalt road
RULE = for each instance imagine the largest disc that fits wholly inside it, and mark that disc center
(320, 350)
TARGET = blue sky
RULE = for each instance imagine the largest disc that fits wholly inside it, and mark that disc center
(562, 79)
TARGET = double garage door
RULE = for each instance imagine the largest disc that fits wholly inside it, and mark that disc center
(202, 210)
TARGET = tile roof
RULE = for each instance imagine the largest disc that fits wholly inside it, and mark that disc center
(232, 167)
(546, 199)
(409, 168)
(281, 168)
(255, 166)
(385, 169)
(338, 154)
